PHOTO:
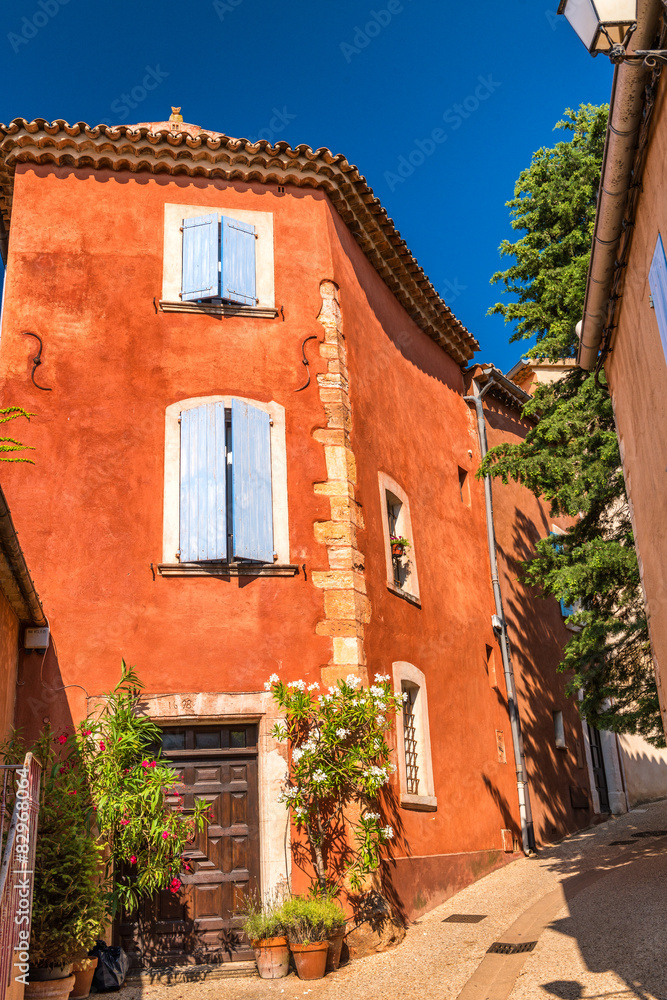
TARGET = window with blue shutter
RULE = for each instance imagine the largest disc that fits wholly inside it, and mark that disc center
(252, 505)
(565, 609)
(238, 262)
(201, 256)
(658, 281)
(225, 469)
(203, 507)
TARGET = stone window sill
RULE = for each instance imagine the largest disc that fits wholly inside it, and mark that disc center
(219, 309)
(420, 803)
(410, 598)
(226, 569)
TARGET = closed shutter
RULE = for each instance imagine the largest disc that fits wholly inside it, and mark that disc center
(201, 271)
(238, 262)
(252, 505)
(203, 524)
(658, 282)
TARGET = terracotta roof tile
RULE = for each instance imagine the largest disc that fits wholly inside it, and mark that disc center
(181, 148)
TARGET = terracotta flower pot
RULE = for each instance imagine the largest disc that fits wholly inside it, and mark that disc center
(38, 975)
(335, 939)
(49, 989)
(83, 976)
(272, 957)
(310, 959)
(397, 549)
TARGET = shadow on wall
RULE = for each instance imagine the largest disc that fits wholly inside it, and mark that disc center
(558, 777)
(41, 697)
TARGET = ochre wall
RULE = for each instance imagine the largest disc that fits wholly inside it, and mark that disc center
(85, 264)
(637, 374)
(9, 633)
(537, 635)
(410, 421)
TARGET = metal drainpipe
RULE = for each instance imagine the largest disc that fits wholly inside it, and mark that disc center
(525, 814)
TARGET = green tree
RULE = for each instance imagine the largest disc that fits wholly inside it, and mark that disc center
(570, 456)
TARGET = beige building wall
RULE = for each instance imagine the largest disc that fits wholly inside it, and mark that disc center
(645, 770)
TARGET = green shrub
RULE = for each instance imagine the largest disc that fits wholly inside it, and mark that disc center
(309, 920)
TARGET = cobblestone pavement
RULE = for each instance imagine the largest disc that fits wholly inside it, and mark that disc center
(598, 914)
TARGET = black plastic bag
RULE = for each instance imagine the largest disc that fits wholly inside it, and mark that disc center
(112, 966)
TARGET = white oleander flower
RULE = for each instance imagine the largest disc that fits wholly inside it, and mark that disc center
(381, 677)
(376, 691)
(297, 755)
(352, 681)
(342, 733)
(314, 686)
(301, 685)
(388, 832)
(274, 678)
(319, 776)
(381, 720)
(371, 815)
(267, 685)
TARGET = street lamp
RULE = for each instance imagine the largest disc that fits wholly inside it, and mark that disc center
(607, 26)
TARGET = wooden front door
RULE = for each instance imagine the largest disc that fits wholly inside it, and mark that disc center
(202, 923)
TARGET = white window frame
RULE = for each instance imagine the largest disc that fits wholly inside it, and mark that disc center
(172, 267)
(410, 589)
(172, 474)
(426, 801)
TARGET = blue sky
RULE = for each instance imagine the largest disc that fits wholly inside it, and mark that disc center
(370, 80)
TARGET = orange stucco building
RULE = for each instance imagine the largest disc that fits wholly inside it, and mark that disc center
(214, 510)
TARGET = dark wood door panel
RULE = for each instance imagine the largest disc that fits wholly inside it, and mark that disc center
(202, 923)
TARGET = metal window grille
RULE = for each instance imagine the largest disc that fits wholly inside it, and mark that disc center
(410, 741)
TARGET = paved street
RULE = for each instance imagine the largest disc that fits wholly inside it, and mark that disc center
(597, 911)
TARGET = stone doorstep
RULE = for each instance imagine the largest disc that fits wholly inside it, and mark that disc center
(193, 973)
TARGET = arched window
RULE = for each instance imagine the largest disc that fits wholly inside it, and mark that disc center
(415, 766)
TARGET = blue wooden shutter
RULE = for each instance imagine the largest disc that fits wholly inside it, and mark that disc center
(238, 262)
(203, 533)
(565, 609)
(251, 483)
(201, 271)
(658, 282)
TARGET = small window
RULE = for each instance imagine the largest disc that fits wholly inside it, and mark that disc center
(399, 543)
(415, 766)
(464, 487)
(207, 741)
(658, 284)
(225, 498)
(410, 695)
(173, 740)
(559, 731)
(218, 260)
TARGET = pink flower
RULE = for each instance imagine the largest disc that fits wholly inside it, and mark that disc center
(124, 822)
(86, 732)
(152, 764)
(144, 763)
(72, 792)
(102, 745)
(175, 885)
(164, 834)
(62, 770)
(133, 859)
(62, 739)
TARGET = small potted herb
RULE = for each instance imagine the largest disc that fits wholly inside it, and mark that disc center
(399, 545)
(308, 923)
(265, 929)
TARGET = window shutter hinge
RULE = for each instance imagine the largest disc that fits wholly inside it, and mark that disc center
(270, 421)
(178, 556)
(275, 556)
(650, 302)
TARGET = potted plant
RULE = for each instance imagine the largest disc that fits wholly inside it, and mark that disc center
(399, 545)
(307, 923)
(335, 922)
(68, 905)
(264, 927)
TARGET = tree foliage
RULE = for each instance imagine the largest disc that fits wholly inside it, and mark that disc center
(570, 457)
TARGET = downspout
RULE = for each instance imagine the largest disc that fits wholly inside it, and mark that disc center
(625, 121)
(525, 815)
